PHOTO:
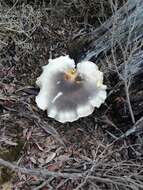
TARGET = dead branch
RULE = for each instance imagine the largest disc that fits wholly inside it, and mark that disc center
(42, 173)
(121, 23)
(45, 174)
(137, 128)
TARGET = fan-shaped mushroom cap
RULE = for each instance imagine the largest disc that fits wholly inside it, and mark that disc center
(68, 93)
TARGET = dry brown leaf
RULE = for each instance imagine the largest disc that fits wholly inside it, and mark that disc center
(33, 160)
(41, 160)
(50, 157)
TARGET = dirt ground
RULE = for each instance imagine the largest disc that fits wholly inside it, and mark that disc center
(31, 32)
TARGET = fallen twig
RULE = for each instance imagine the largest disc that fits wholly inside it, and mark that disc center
(137, 127)
(45, 174)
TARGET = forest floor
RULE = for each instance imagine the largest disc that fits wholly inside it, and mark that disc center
(31, 32)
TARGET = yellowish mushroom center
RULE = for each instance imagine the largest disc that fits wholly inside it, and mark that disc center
(71, 75)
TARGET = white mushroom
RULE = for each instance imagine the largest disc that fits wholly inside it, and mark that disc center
(68, 93)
